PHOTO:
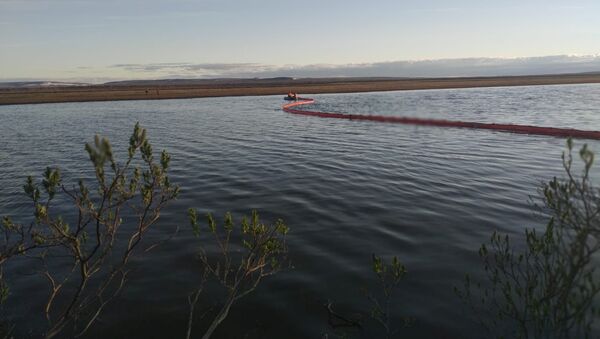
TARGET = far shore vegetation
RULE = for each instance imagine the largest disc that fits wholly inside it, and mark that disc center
(548, 289)
(190, 88)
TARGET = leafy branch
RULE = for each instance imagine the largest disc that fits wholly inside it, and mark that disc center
(549, 289)
(243, 261)
(99, 241)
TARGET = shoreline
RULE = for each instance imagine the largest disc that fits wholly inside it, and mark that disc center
(160, 91)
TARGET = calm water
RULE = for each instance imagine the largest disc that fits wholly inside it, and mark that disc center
(347, 189)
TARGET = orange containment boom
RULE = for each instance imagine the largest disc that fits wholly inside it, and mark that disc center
(523, 129)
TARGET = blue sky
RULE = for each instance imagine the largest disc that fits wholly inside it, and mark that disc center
(94, 40)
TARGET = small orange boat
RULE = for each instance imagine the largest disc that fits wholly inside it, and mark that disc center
(291, 96)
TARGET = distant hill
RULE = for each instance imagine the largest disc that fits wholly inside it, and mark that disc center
(235, 82)
(191, 82)
(220, 82)
(40, 84)
(239, 81)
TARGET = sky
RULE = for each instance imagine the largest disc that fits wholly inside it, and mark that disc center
(96, 41)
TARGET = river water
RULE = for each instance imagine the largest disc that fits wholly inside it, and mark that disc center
(346, 189)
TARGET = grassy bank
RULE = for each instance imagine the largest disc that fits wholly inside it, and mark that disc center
(161, 90)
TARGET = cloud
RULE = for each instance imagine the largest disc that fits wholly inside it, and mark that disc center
(422, 68)
(197, 70)
(37, 5)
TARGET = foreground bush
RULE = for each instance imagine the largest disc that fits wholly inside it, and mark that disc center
(85, 258)
(246, 257)
(112, 216)
(549, 289)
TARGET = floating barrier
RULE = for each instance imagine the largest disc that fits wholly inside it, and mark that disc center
(522, 129)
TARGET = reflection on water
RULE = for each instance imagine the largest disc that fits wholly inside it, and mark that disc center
(346, 188)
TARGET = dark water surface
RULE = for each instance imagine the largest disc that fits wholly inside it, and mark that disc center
(347, 189)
